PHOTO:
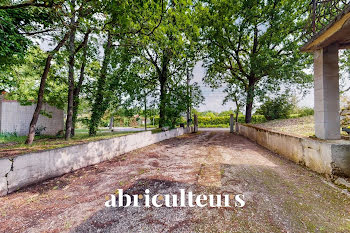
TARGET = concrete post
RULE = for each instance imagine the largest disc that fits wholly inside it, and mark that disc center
(326, 79)
(195, 123)
(111, 123)
(1, 98)
(232, 123)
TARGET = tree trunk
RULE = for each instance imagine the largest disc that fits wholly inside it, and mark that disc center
(237, 107)
(71, 47)
(71, 76)
(236, 117)
(31, 133)
(250, 100)
(162, 102)
(145, 112)
(99, 107)
(77, 88)
(188, 97)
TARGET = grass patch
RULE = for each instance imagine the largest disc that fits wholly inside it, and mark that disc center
(13, 138)
(159, 130)
(303, 126)
(213, 126)
(14, 145)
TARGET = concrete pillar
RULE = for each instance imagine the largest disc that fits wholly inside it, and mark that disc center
(326, 79)
(232, 122)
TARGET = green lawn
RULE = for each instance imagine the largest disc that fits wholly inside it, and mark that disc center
(11, 145)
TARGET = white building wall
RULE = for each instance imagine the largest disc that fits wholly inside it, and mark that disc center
(15, 118)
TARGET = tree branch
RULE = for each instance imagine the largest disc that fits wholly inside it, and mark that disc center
(31, 3)
(38, 32)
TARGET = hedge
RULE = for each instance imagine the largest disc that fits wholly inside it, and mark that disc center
(214, 126)
(225, 120)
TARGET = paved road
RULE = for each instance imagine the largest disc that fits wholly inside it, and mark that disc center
(214, 129)
(126, 129)
(280, 196)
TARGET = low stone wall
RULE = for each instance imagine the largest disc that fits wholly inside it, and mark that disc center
(331, 157)
(31, 168)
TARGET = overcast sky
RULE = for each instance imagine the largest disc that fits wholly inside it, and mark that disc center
(214, 98)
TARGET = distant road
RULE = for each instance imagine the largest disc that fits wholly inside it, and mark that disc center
(214, 129)
(124, 129)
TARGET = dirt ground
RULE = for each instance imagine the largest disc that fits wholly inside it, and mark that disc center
(280, 196)
(302, 126)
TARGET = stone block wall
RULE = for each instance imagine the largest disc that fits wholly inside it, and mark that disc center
(27, 169)
(331, 157)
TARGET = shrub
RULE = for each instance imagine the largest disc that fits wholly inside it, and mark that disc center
(305, 111)
(9, 137)
(39, 130)
(213, 126)
(83, 122)
(277, 108)
(294, 116)
(226, 113)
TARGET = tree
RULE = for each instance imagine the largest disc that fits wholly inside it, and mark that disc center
(276, 108)
(124, 20)
(25, 77)
(78, 86)
(15, 27)
(58, 13)
(253, 44)
(31, 3)
(100, 104)
(64, 18)
(16, 24)
(169, 51)
(235, 94)
(73, 90)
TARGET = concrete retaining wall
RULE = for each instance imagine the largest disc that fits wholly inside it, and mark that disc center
(330, 157)
(30, 168)
(15, 118)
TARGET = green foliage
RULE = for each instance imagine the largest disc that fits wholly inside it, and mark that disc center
(166, 58)
(208, 114)
(276, 108)
(249, 46)
(13, 25)
(84, 121)
(12, 44)
(213, 126)
(304, 111)
(26, 76)
(225, 120)
(39, 130)
(8, 137)
(253, 45)
(226, 113)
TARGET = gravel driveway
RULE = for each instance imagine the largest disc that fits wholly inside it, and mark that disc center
(280, 196)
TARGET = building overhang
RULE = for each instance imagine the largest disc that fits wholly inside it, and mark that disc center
(338, 31)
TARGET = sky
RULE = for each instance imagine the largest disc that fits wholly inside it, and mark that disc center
(214, 98)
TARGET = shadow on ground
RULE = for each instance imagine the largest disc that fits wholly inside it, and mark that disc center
(280, 195)
(146, 219)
